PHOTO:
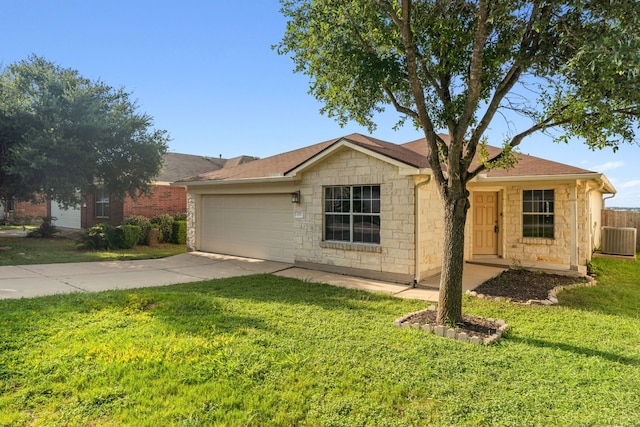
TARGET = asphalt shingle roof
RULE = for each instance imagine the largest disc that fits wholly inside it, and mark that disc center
(413, 154)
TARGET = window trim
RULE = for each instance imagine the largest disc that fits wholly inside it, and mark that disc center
(540, 208)
(100, 201)
(351, 214)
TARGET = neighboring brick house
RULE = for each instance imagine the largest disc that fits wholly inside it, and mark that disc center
(100, 207)
(363, 206)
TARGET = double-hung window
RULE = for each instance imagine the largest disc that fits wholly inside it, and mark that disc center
(537, 213)
(101, 203)
(352, 214)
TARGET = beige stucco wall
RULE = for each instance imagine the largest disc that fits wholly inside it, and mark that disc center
(395, 254)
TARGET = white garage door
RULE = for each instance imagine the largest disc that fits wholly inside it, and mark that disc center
(68, 218)
(254, 226)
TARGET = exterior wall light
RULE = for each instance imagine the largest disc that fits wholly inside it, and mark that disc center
(295, 197)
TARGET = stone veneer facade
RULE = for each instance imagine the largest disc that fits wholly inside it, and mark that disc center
(512, 245)
(395, 257)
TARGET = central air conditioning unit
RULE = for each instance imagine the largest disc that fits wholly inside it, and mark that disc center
(619, 241)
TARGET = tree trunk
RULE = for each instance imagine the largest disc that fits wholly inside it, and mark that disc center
(450, 298)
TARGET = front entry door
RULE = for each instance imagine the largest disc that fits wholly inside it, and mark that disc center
(485, 223)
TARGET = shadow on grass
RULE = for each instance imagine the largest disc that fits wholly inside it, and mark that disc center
(581, 351)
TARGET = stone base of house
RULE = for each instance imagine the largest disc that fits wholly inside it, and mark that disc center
(405, 279)
(545, 267)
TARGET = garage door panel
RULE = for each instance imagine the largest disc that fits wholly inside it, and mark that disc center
(257, 226)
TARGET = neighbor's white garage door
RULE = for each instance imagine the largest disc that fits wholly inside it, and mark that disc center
(68, 218)
(254, 226)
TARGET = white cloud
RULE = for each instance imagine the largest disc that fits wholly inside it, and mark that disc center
(608, 166)
(631, 184)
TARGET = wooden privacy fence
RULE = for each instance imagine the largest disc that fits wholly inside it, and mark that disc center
(614, 218)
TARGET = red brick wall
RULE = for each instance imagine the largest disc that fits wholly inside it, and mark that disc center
(88, 213)
(28, 209)
(164, 200)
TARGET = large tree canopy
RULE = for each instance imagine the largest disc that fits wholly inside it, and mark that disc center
(61, 132)
(456, 65)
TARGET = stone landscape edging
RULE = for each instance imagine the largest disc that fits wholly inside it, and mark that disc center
(446, 332)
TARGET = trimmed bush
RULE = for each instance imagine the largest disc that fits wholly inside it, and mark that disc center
(179, 232)
(124, 236)
(165, 222)
(180, 217)
(145, 225)
(97, 237)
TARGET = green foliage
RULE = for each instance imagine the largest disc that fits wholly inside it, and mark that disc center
(46, 228)
(179, 232)
(180, 217)
(456, 66)
(165, 223)
(272, 351)
(124, 237)
(97, 237)
(60, 132)
(145, 225)
(54, 251)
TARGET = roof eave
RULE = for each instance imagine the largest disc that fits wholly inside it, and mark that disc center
(260, 180)
(606, 188)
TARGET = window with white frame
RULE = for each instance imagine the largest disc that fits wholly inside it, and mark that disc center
(352, 214)
(538, 213)
(101, 203)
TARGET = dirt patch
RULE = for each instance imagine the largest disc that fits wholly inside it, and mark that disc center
(523, 285)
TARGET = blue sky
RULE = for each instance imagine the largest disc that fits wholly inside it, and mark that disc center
(206, 72)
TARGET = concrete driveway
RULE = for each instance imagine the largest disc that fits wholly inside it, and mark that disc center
(27, 281)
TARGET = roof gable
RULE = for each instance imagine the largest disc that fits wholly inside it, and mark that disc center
(412, 154)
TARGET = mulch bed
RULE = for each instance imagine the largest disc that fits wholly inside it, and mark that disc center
(524, 285)
(473, 326)
(518, 286)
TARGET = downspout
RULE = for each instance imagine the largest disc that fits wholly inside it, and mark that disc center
(416, 222)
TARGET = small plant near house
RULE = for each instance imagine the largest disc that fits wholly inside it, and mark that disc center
(165, 222)
(180, 217)
(97, 237)
(145, 226)
(124, 237)
(46, 228)
(179, 235)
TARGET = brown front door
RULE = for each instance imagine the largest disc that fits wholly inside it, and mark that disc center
(485, 223)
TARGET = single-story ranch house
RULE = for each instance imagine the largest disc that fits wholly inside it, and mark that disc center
(368, 207)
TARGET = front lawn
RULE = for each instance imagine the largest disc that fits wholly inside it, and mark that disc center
(271, 351)
(23, 250)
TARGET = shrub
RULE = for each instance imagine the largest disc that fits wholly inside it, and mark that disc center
(46, 229)
(165, 222)
(124, 236)
(144, 224)
(179, 232)
(180, 217)
(97, 237)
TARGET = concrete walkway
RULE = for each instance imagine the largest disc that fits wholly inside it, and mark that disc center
(27, 281)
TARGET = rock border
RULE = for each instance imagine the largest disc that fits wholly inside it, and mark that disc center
(552, 298)
(451, 333)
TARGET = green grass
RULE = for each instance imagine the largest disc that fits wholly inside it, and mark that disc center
(270, 351)
(58, 250)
